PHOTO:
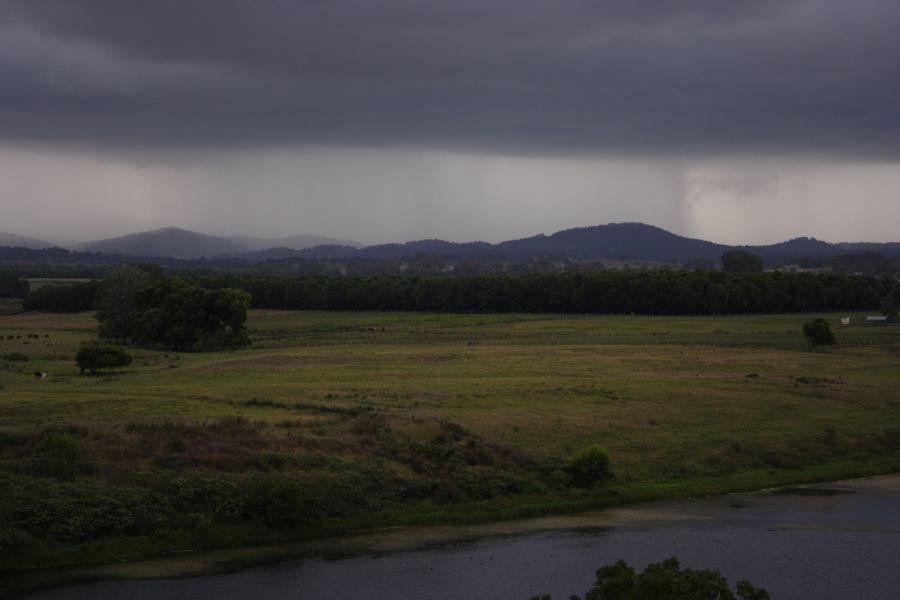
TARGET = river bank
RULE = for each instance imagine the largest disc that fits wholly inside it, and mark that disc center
(793, 502)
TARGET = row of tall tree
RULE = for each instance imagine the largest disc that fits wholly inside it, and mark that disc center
(77, 297)
(641, 292)
(646, 292)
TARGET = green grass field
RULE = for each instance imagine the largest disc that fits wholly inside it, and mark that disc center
(683, 405)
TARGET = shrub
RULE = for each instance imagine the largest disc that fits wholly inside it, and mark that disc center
(59, 455)
(818, 333)
(372, 424)
(272, 461)
(94, 357)
(588, 468)
(277, 501)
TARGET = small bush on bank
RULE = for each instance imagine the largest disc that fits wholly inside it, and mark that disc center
(588, 468)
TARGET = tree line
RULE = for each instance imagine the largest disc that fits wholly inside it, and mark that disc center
(642, 292)
(605, 292)
(77, 297)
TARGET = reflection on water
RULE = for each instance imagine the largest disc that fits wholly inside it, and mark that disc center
(808, 544)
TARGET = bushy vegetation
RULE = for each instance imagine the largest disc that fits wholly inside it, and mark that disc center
(94, 357)
(818, 333)
(51, 490)
(589, 467)
(665, 581)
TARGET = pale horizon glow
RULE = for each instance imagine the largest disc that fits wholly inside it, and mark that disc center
(378, 196)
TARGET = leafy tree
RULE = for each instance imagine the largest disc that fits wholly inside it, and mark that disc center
(818, 333)
(118, 306)
(183, 316)
(94, 357)
(741, 261)
(664, 581)
(589, 467)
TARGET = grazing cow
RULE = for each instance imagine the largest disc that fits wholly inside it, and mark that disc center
(40, 375)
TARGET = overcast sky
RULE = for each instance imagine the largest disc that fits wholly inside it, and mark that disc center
(371, 120)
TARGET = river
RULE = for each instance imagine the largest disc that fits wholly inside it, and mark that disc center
(829, 541)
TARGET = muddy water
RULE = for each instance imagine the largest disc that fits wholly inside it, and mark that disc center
(819, 542)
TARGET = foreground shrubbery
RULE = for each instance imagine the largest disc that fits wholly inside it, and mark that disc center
(36, 509)
(67, 486)
(664, 581)
(152, 486)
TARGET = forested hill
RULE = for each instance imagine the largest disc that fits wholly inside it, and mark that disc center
(168, 242)
(21, 241)
(616, 240)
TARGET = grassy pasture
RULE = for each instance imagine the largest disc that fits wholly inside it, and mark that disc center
(675, 400)
(667, 395)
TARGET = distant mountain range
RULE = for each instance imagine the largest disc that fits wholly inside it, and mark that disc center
(173, 242)
(622, 241)
(20, 241)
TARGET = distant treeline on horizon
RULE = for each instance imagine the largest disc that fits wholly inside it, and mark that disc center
(607, 292)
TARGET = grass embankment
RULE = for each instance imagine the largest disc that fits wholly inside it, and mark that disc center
(333, 422)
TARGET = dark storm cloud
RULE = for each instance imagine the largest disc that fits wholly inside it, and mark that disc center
(660, 77)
